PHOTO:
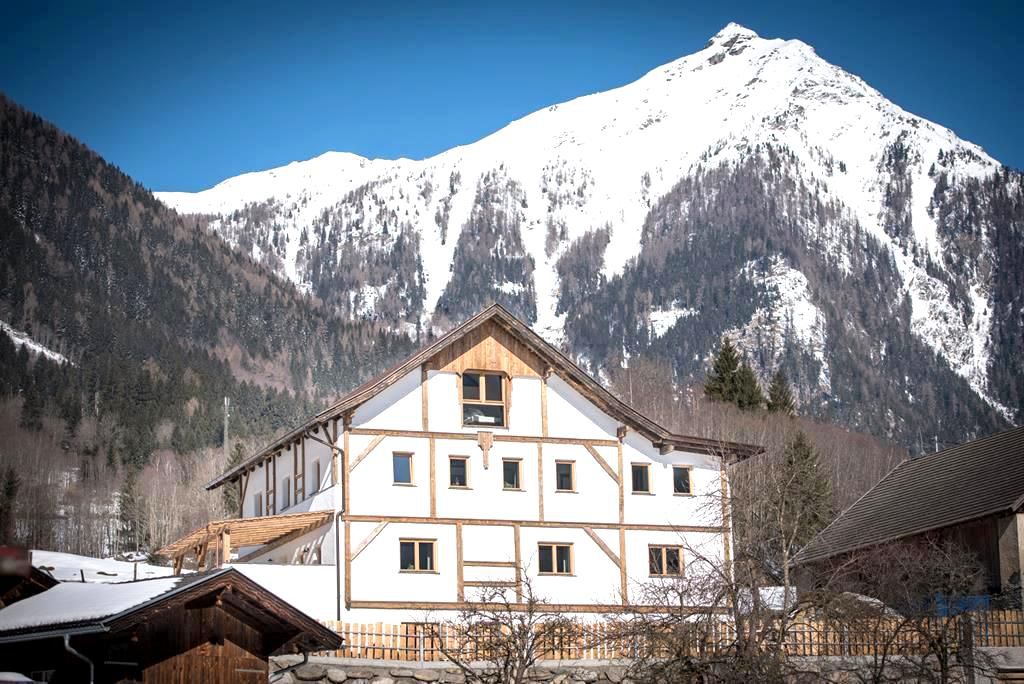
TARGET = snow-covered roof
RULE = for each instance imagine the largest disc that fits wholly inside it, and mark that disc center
(75, 603)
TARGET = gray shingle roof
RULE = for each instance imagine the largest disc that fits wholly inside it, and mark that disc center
(930, 492)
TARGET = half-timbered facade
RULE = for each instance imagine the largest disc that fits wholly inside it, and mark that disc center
(487, 455)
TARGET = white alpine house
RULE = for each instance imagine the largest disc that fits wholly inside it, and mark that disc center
(485, 455)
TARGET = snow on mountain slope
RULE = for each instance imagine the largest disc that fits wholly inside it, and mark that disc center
(22, 339)
(600, 161)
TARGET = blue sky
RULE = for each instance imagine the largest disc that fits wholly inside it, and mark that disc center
(183, 97)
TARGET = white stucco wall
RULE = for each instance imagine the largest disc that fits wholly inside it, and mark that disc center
(398, 407)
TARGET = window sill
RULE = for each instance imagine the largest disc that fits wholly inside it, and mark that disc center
(485, 427)
(566, 491)
(556, 574)
(402, 484)
(682, 493)
(512, 489)
(419, 572)
(642, 493)
(459, 487)
(679, 576)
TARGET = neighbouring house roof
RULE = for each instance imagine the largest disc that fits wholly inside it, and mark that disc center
(558, 362)
(14, 588)
(931, 492)
(78, 608)
(248, 531)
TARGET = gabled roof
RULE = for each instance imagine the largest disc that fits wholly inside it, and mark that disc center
(559, 363)
(88, 608)
(974, 480)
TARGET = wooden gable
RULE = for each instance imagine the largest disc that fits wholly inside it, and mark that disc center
(489, 347)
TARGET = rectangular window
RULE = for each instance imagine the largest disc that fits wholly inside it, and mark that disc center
(257, 505)
(666, 561)
(316, 476)
(555, 559)
(458, 471)
(401, 466)
(416, 555)
(483, 399)
(565, 476)
(286, 495)
(681, 480)
(510, 474)
(641, 478)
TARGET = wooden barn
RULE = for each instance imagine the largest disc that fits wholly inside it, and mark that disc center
(972, 494)
(216, 627)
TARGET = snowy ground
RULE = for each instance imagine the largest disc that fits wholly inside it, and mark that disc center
(22, 339)
(68, 567)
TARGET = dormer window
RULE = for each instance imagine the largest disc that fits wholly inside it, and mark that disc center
(483, 399)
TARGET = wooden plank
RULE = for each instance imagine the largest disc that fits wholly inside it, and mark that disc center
(345, 454)
(433, 479)
(424, 398)
(369, 538)
(601, 462)
(726, 536)
(604, 547)
(622, 476)
(623, 583)
(521, 607)
(366, 452)
(487, 564)
(485, 440)
(518, 439)
(540, 481)
(488, 347)
(544, 403)
(225, 546)
(497, 522)
(519, 563)
(490, 583)
(281, 541)
(460, 582)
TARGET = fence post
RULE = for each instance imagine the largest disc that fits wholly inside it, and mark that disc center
(420, 639)
(967, 647)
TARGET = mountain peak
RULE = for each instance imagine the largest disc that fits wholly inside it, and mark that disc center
(731, 33)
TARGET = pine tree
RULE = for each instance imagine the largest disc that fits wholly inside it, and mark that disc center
(780, 396)
(807, 488)
(230, 494)
(32, 409)
(720, 384)
(748, 391)
(8, 496)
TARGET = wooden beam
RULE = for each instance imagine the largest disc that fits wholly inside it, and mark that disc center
(519, 562)
(280, 541)
(622, 483)
(485, 440)
(487, 564)
(460, 582)
(604, 547)
(366, 452)
(498, 522)
(623, 583)
(544, 406)
(243, 489)
(433, 479)
(726, 519)
(519, 439)
(490, 583)
(601, 462)
(425, 399)
(369, 538)
(523, 607)
(346, 486)
(540, 481)
(225, 546)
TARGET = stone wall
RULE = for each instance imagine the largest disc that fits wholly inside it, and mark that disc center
(341, 671)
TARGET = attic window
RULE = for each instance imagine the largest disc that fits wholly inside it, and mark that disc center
(483, 399)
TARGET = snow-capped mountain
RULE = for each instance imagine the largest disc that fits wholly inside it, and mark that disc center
(750, 188)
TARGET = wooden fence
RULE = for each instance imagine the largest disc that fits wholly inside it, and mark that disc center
(424, 642)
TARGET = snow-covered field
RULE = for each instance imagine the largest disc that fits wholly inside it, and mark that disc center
(68, 567)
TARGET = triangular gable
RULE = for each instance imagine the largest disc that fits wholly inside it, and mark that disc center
(495, 331)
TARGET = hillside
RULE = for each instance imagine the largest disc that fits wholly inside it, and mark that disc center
(123, 326)
(749, 189)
